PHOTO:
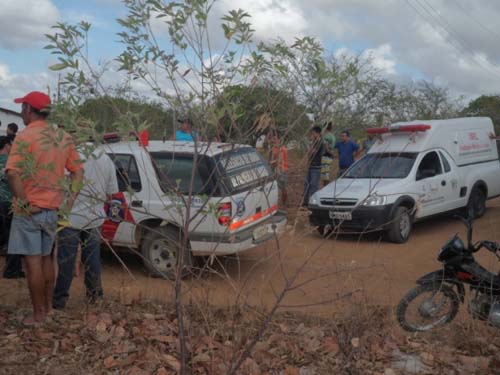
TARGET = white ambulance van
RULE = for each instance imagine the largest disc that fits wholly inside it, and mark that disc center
(413, 171)
(233, 205)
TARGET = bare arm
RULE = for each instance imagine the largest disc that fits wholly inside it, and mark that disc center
(16, 184)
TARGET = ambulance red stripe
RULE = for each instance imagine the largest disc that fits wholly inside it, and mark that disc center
(259, 215)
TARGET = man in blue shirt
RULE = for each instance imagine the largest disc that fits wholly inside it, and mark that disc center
(347, 150)
(185, 133)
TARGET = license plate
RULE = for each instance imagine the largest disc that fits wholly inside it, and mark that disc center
(336, 215)
(260, 232)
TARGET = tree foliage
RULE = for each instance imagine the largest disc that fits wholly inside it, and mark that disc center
(485, 105)
(422, 100)
(139, 113)
(254, 110)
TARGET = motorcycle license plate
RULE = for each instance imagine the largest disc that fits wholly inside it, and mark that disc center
(336, 215)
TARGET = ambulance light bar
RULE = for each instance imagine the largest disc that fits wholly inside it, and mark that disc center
(399, 128)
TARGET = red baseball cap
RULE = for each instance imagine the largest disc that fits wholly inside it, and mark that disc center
(36, 99)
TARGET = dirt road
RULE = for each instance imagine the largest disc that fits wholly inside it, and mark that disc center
(379, 272)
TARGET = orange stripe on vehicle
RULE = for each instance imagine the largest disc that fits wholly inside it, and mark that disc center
(259, 215)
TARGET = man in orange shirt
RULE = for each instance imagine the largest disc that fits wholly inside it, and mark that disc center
(279, 161)
(36, 168)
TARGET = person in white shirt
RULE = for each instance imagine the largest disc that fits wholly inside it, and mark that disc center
(86, 220)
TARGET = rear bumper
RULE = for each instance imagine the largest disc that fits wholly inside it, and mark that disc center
(231, 243)
(363, 218)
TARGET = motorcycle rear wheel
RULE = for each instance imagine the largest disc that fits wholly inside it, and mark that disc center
(439, 308)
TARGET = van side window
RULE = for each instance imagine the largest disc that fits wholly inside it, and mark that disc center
(430, 166)
(127, 172)
(446, 165)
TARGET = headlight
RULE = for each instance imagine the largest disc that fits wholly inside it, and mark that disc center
(375, 200)
(314, 200)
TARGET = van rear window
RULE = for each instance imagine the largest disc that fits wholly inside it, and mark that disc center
(242, 168)
(175, 172)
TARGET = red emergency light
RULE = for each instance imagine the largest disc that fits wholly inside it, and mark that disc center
(144, 137)
(111, 138)
(377, 130)
(400, 128)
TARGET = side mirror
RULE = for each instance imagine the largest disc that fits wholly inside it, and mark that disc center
(468, 220)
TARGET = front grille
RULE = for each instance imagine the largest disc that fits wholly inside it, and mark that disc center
(338, 202)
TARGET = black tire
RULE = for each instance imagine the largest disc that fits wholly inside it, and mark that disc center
(410, 297)
(399, 229)
(160, 249)
(476, 206)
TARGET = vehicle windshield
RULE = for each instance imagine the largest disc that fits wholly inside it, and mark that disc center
(383, 165)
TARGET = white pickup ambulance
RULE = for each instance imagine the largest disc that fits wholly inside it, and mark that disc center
(413, 171)
(232, 208)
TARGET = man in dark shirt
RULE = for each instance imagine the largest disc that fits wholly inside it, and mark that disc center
(316, 151)
(13, 262)
(348, 150)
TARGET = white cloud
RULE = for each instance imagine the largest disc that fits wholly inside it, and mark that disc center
(271, 19)
(455, 43)
(24, 22)
(74, 17)
(17, 85)
(4, 73)
(382, 59)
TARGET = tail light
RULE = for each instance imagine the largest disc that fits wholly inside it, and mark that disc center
(224, 213)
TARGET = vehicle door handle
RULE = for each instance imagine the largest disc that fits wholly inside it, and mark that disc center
(136, 203)
(443, 183)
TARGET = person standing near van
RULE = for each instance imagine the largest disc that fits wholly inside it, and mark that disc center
(86, 220)
(347, 150)
(13, 262)
(314, 154)
(36, 170)
(327, 158)
(12, 129)
(185, 133)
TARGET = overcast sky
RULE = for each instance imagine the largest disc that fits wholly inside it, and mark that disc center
(454, 43)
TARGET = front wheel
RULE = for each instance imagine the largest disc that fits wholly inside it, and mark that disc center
(426, 307)
(476, 206)
(161, 248)
(399, 229)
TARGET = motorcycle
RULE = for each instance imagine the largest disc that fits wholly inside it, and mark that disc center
(436, 299)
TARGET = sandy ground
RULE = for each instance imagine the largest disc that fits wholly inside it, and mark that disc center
(324, 269)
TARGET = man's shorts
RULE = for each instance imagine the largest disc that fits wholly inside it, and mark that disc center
(34, 234)
(326, 167)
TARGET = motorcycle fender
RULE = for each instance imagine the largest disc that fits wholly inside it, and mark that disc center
(432, 278)
(440, 276)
